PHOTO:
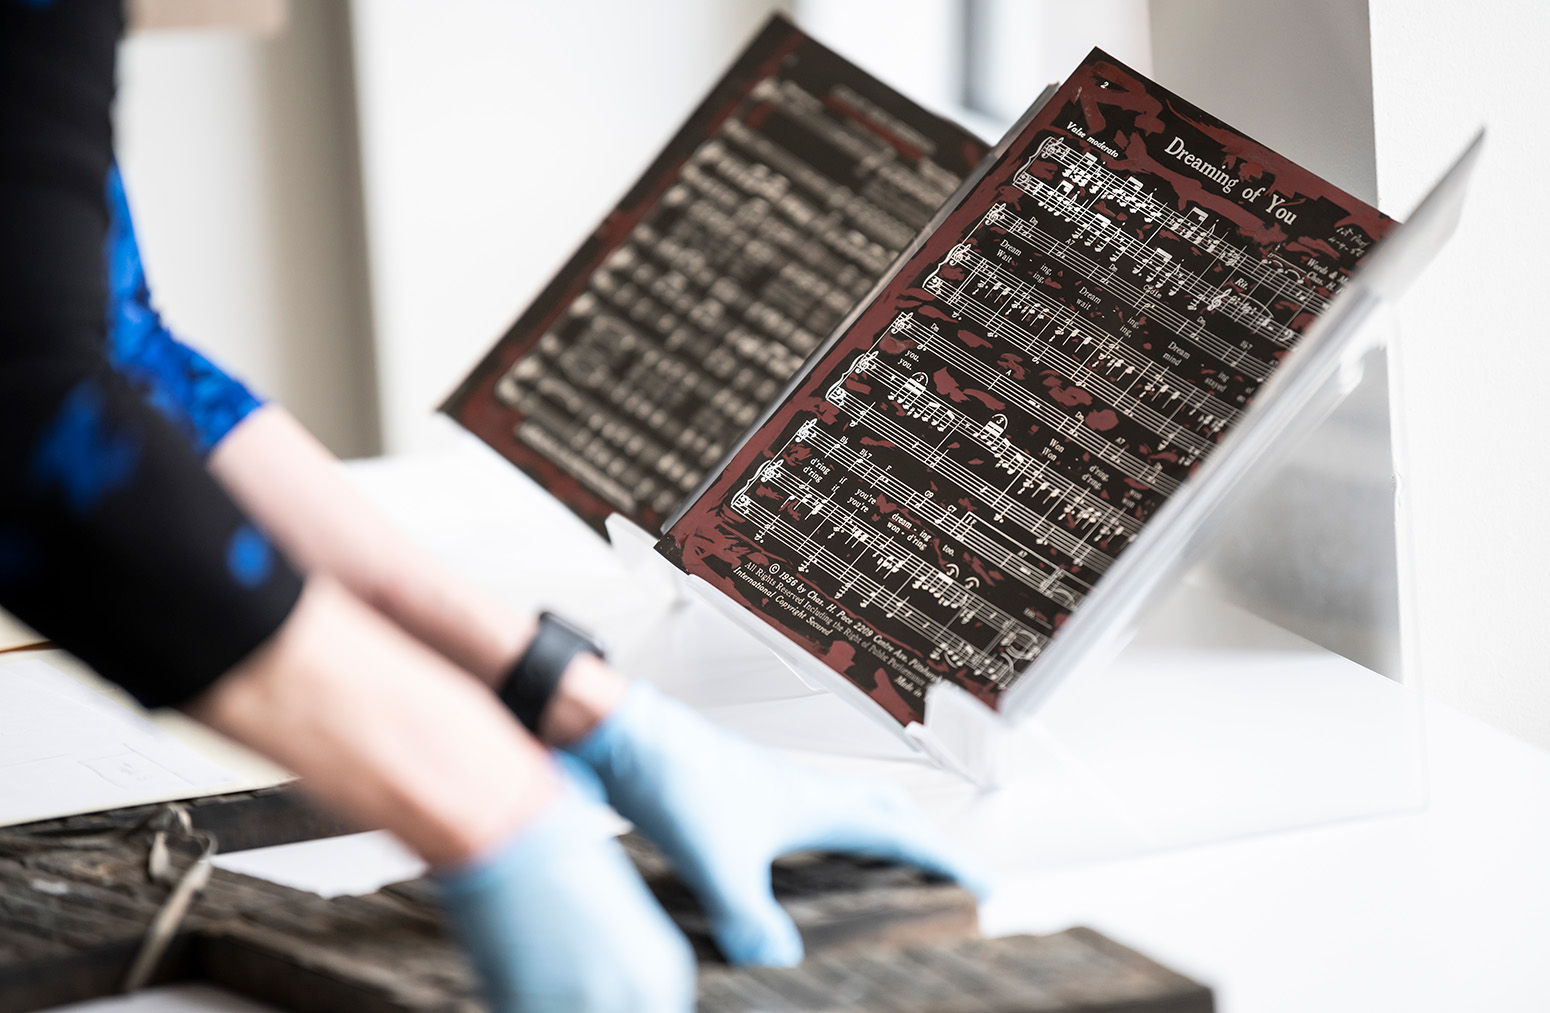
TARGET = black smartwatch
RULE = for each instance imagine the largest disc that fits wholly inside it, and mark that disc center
(533, 676)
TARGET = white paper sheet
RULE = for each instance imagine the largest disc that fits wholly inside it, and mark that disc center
(67, 747)
(332, 867)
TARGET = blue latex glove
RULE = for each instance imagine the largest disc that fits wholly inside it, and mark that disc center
(722, 809)
(557, 919)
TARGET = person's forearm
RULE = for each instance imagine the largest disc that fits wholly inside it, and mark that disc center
(382, 729)
(291, 484)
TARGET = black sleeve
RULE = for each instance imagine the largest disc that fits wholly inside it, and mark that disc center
(114, 540)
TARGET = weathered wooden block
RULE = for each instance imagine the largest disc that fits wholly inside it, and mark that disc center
(75, 899)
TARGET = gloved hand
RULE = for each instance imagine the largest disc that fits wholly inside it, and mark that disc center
(722, 809)
(557, 919)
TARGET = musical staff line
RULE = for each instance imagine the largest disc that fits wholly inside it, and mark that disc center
(909, 392)
(949, 645)
(1089, 379)
(1000, 384)
(1231, 257)
(1103, 233)
(1109, 277)
(940, 584)
(1032, 570)
(1214, 413)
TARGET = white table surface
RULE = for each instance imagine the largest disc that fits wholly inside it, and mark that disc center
(1435, 903)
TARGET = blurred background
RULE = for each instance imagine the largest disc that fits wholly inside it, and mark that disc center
(347, 202)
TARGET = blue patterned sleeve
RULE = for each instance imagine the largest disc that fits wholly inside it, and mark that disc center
(200, 400)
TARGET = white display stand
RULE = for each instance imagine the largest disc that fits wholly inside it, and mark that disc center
(1288, 734)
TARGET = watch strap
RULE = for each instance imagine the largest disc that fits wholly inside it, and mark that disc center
(535, 674)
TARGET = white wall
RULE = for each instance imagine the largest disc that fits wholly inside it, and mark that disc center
(981, 62)
(495, 135)
(913, 45)
(240, 160)
(1474, 348)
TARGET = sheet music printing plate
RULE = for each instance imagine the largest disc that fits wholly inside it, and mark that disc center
(947, 481)
(777, 207)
